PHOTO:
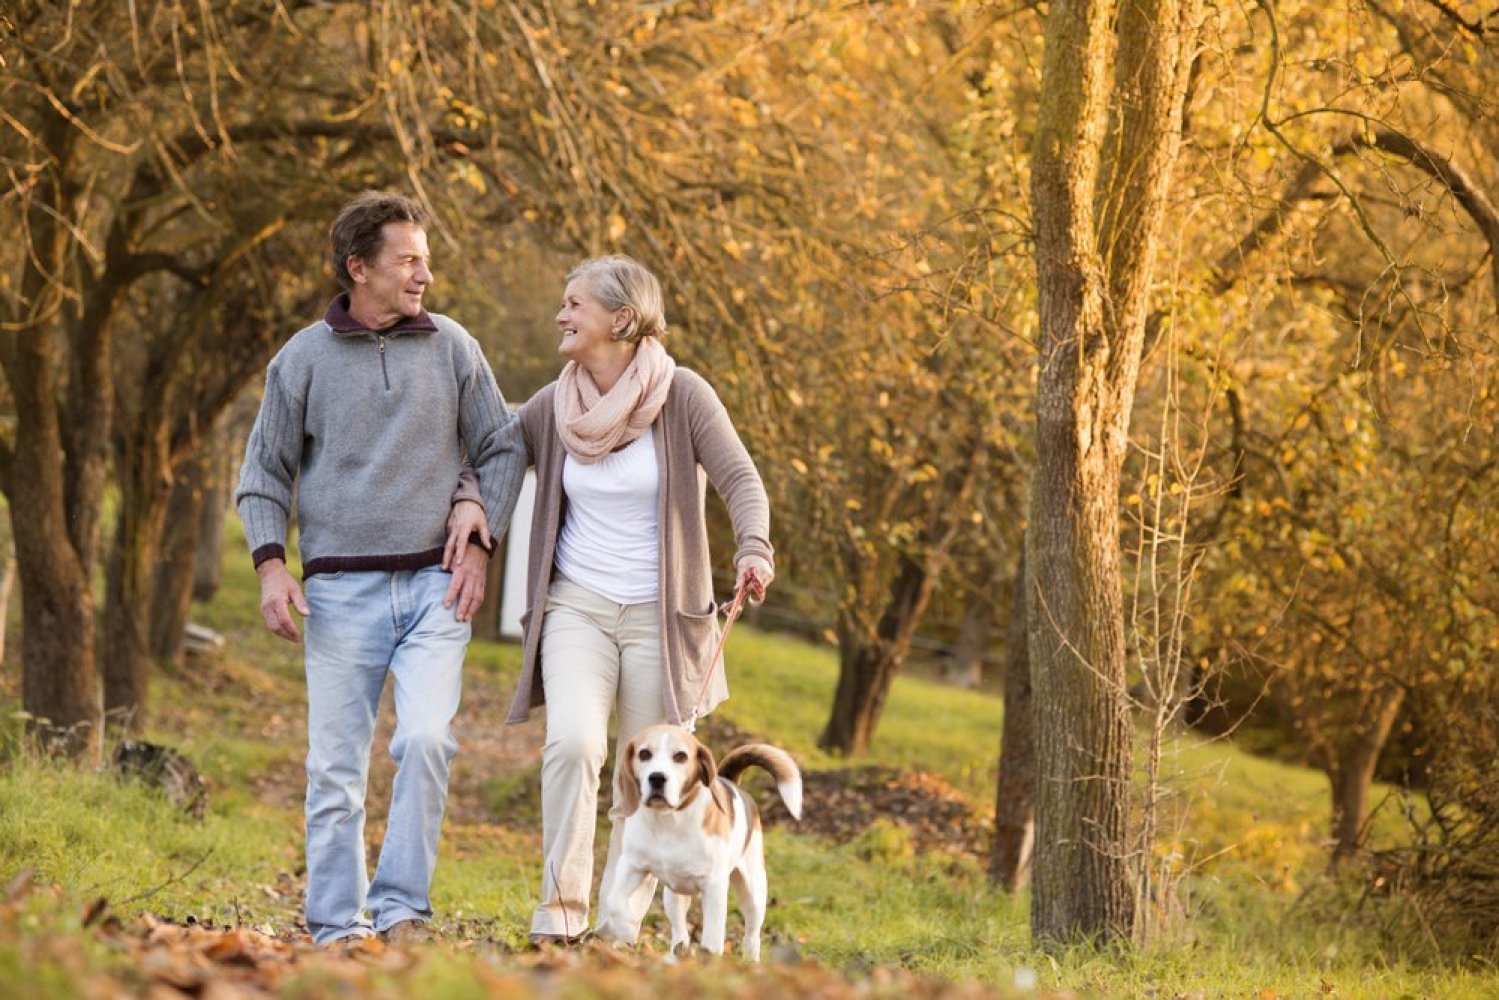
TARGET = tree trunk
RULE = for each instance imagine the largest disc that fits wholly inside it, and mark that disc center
(144, 472)
(130, 580)
(209, 512)
(1015, 795)
(865, 671)
(1353, 772)
(1081, 877)
(966, 669)
(1080, 880)
(487, 617)
(867, 664)
(177, 579)
(60, 689)
(7, 583)
(1100, 168)
(7, 588)
(214, 468)
(52, 513)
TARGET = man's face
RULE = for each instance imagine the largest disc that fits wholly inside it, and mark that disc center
(389, 287)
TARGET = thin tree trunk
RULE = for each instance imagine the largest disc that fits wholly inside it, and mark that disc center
(1352, 773)
(7, 581)
(7, 587)
(487, 617)
(209, 513)
(129, 592)
(144, 471)
(867, 664)
(215, 460)
(177, 582)
(865, 672)
(966, 669)
(1015, 794)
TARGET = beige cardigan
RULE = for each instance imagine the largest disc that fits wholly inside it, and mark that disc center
(693, 436)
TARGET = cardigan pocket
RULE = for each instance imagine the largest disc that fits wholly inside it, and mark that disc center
(700, 634)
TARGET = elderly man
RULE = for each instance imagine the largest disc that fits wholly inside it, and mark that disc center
(369, 413)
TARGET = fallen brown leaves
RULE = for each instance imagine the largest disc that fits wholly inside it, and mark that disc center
(841, 804)
(102, 955)
(225, 962)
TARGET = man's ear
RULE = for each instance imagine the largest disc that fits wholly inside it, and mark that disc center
(626, 785)
(706, 767)
(355, 266)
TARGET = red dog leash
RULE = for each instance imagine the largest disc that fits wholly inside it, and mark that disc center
(735, 607)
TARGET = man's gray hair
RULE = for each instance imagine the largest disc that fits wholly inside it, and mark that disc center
(618, 281)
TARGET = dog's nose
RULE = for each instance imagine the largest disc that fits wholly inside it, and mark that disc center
(657, 779)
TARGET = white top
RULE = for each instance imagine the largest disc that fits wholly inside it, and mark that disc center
(610, 541)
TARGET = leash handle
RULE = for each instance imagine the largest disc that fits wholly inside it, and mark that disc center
(735, 607)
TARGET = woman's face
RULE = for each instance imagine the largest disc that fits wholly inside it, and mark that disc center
(586, 324)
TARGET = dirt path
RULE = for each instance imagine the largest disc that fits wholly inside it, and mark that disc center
(495, 775)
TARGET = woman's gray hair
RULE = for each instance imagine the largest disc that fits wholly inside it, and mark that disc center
(618, 281)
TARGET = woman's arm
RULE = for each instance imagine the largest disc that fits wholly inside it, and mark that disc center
(734, 477)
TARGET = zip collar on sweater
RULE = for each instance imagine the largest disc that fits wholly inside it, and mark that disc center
(337, 317)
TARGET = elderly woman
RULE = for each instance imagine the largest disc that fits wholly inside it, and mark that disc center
(620, 591)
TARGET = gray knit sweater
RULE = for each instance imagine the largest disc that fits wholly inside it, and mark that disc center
(371, 428)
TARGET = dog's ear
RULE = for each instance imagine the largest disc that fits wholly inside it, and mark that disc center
(626, 785)
(707, 769)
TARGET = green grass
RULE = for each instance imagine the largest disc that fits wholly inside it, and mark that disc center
(784, 688)
(1249, 833)
(1262, 919)
(95, 835)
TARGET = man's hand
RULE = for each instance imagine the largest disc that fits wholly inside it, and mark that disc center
(467, 589)
(464, 519)
(756, 573)
(278, 590)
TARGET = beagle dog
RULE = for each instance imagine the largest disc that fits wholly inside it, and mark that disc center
(689, 825)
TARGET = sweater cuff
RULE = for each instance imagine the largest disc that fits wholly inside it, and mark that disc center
(274, 550)
(764, 550)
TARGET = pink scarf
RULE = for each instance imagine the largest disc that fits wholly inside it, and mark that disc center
(593, 424)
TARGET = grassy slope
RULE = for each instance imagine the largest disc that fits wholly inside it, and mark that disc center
(1251, 836)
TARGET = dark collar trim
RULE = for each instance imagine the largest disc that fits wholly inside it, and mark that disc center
(339, 319)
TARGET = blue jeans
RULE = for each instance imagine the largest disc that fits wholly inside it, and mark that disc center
(363, 626)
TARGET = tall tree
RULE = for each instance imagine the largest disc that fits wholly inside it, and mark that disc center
(1104, 150)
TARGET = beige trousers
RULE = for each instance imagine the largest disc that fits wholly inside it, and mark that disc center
(595, 656)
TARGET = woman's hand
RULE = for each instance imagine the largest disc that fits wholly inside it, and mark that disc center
(465, 519)
(755, 574)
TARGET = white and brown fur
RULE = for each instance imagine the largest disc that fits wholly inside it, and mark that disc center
(698, 833)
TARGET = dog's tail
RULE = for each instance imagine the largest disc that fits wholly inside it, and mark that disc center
(773, 759)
